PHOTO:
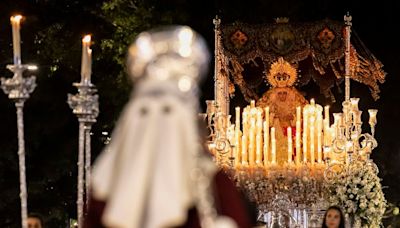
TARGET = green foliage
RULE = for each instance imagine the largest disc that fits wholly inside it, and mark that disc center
(51, 35)
(128, 18)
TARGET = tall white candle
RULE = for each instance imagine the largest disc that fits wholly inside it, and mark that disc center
(266, 136)
(326, 112)
(252, 104)
(259, 126)
(245, 136)
(244, 150)
(326, 124)
(236, 156)
(89, 68)
(252, 142)
(298, 135)
(266, 110)
(273, 145)
(258, 149)
(15, 24)
(305, 129)
(312, 136)
(237, 117)
(290, 144)
(298, 148)
(298, 113)
(266, 142)
(237, 136)
(319, 137)
(86, 59)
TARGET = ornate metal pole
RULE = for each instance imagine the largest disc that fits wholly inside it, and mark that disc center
(18, 89)
(347, 21)
(346, 103)
(220, 80)
(221, 104)
(86, 107)
(88, 128)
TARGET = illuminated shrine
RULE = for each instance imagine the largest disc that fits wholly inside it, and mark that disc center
(281, 148)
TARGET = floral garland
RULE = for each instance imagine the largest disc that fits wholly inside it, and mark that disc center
(359, 192)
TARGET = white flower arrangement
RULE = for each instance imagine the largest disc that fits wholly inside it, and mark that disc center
(359, 192)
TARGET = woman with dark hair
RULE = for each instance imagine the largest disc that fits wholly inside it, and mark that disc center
(333, 218)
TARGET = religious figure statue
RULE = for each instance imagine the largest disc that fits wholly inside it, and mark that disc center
(282, 99)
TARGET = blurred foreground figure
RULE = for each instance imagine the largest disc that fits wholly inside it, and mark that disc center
(155, 172)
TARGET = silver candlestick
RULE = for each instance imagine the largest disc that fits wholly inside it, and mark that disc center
(86, 106)
(18, 89)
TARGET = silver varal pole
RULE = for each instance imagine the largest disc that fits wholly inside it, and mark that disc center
(88, 128)
(347, 21)
(18, 89)
(86, 106)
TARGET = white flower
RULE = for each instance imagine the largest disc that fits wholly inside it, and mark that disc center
(359, 193)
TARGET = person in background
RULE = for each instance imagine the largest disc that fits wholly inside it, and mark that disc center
(333, 218)
(155, 172)
(35, 221)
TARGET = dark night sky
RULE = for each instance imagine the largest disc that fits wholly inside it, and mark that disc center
(375, 22)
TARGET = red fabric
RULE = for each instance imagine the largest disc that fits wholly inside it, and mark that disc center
(285, 133)
(93, 217)
(227, 199)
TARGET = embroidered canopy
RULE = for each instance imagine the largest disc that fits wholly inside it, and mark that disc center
(316, 49)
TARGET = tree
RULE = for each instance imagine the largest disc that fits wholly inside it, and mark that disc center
(51, 37)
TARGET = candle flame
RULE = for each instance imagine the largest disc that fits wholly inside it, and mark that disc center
(86, 39)
(32, 67)
(16, 18)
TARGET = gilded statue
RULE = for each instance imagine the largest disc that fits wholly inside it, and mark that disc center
(283, 99)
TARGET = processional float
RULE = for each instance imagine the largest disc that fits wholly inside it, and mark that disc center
(282, 149)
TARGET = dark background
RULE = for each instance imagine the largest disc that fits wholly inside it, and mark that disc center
(51, 34)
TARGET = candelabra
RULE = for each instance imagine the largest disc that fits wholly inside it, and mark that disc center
(85, 106)
(18, 89)
(349, 142)
(217, 139)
